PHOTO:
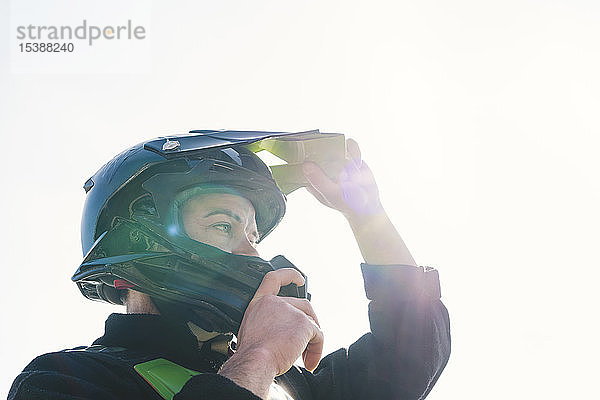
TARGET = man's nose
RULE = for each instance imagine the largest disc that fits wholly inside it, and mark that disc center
(245, 248)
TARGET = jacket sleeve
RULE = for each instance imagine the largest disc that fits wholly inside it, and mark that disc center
(403, 355)
(213, 387)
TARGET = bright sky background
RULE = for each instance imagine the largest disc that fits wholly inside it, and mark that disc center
(480, 120)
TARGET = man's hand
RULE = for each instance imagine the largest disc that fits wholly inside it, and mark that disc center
(274, 332)
(356, 196)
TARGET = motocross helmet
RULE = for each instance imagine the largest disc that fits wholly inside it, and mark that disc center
(132, 238)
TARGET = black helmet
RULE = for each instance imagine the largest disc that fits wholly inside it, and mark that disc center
(131, 239)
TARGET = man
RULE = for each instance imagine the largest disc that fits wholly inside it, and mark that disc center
(170, 229)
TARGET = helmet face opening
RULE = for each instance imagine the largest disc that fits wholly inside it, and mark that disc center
(175, 220)
(214, 173)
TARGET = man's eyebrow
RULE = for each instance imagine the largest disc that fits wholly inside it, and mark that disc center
(225, 212)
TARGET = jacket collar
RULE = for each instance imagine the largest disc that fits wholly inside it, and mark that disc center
(158, 337)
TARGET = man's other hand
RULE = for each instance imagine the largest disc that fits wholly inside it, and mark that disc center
(274, 332)
(356, 196)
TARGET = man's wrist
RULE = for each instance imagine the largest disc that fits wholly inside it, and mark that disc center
(362, 222)
(378, 239)
(252, 370)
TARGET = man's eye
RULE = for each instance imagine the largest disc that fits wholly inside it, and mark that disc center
(223, 227)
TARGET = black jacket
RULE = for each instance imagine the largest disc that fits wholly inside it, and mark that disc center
(402, 357)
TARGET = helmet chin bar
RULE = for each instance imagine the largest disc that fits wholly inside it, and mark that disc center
(187, 280)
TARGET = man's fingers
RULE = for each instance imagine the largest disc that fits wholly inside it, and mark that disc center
(304, 306)
(353, 151)
(318, 195)
(312, 354)
(274, 280)
(319, 181)
(314, 349)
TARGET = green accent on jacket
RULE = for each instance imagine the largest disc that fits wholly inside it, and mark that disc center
(166, 377)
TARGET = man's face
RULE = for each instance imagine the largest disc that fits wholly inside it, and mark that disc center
(225, 221)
